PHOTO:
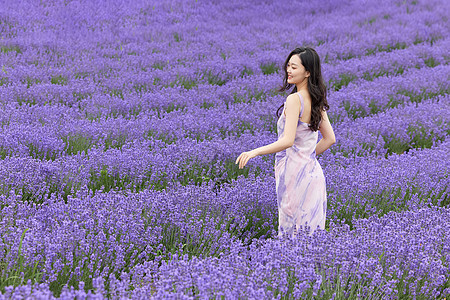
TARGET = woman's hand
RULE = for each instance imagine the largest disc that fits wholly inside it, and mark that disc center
(244, 157)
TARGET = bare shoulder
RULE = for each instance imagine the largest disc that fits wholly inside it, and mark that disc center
(293, 101)
(305, 96)
(292, 97)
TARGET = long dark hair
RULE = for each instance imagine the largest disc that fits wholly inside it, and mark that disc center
(316, 85)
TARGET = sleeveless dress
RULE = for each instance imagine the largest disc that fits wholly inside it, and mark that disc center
(300, 183)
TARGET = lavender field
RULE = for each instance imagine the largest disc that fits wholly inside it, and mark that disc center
(121, 122)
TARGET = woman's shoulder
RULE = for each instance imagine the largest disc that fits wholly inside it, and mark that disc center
(302, 97)
(305, 95)
(293, 100)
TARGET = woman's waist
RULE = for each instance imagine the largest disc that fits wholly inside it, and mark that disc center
(293, 153)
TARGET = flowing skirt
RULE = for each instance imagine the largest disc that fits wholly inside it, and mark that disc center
(301, 195)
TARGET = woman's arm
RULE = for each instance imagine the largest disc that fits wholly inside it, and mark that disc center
(327, 132)
(292, 110)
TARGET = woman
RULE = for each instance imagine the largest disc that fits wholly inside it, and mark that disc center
(300, 183)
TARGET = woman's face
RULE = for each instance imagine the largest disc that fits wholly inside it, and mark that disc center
(296, 71)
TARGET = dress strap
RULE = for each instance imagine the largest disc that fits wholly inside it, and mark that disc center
(301, 101)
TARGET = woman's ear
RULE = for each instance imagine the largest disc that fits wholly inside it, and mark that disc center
(307, 74)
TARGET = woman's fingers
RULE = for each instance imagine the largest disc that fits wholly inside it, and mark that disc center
(243, 158)
(237, 160)
(244, 162)
(240, 159)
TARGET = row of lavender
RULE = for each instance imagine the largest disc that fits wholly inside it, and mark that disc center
(61, 124)
(62, 133)
(121, 37)
(103, 116)
(93, 105)
(90, 97)
(195, 242)
(142, 163)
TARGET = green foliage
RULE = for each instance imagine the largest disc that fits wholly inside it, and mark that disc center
(86, 267)
(243, 126)
(259, 225)
(116, 93)
(135, 110)
(38, 153)
(20, 272)
(354, 112)
(61, 80)
(344, 80)
(335, 286)
(166, 137)
(347, 56)
(395, 145)
(31, 81)
(422, 95)
(81, 75)
(269, 68)
(174, 240)
(91, 116)
(270, 123)
(78, 96)
(371, 75)
(386, 48)
(250, 95)
(159, 65)
(374, 108)
(239, 98)
(77, 143)
(418, 40)
(177, 37)
(220, 171)
(419, 137)
(351, 206)
(362, 151)
(422, 137)
(115, 142)
(431, 62)
(246, 72)
(207, 105)
(215, 79)
(156, 81)
(3, 152)
(393, 102)
(200, 136)
(106, 181)
(172, 107)
(141, 88)
(115, 56)
(4, 81)
(6, 49)
(185, 82)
